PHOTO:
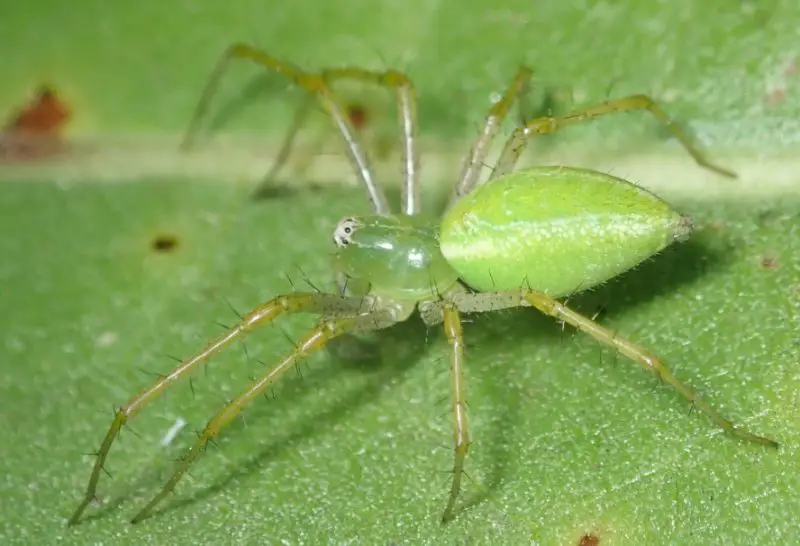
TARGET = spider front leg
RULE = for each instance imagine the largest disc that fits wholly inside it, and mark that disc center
(490, 301)
(461, 436)
(517, 142)
(314, 340)
(406, 98)
(299, 302)
(408, 118)
(313, 83)
(319, 86)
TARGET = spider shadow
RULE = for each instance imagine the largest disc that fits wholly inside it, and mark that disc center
(677, 266)
(261, 86)
(256, 87)
(363, 355)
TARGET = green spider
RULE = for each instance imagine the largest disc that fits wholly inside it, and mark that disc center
(517, 240)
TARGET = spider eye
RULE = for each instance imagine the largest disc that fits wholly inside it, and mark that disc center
(343, 233)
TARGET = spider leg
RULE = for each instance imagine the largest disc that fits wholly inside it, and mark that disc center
(314, 340)
(473, 163)
(313, 83)
(298, 302)
(515, 145)
(461, 436)
(490, 301)
(408, 117)
(407, 112)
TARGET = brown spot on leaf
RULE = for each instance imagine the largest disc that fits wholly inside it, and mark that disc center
(589, 539)
(34, 130)
(165, 242)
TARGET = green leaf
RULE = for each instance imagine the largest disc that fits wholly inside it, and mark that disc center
(569, 439)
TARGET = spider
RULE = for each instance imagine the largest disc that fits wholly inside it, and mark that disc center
(518, 239)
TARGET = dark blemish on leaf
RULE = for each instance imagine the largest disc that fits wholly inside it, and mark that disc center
(164, 242)
(589, 539)
(769, 262)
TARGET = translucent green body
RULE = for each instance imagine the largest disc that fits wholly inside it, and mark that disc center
(556, 230)
(394, 257)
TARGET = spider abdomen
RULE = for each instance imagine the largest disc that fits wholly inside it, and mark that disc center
(555, 229)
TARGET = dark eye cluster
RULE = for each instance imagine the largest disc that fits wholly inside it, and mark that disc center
(342, 235)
